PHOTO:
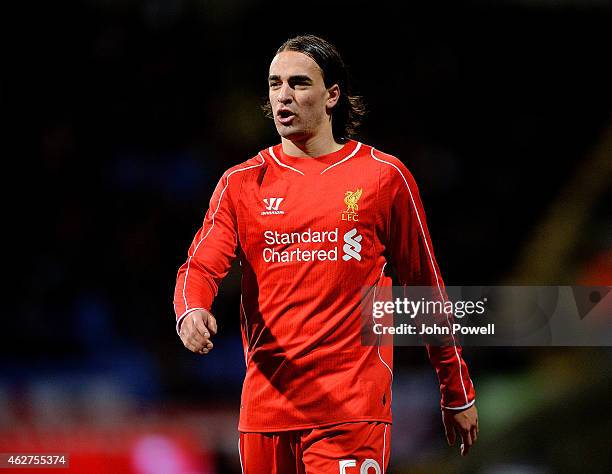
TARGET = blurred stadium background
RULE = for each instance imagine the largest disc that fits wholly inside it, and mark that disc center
(120, 116)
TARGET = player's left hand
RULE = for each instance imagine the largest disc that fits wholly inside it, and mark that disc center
(465, 423)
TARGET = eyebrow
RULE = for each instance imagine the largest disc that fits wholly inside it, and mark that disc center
(296, 78)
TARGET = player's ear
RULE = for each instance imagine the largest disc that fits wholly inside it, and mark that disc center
(334, 96)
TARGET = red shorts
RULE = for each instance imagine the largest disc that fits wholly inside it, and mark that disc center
(346, 448)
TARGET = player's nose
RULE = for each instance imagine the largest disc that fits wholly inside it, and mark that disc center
(284, 94)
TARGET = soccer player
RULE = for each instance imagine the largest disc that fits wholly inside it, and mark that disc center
(313, 220)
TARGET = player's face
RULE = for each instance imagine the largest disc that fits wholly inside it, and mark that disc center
(300, 102)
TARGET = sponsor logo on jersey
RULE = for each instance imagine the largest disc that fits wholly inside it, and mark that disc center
(272, 206)
(350, 200)
(352, 246)
(310, 246)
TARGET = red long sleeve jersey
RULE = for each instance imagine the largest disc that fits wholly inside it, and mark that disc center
(310, 233)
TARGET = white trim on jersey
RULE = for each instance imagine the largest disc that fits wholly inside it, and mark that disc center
(379, 336)
(384, 448)
(240, 456)
(461, 407)
(246, 333)
(344, 159)
(431, 261)
(213, 223)
(282, 164)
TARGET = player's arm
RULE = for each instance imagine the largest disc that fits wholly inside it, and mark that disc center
(209, 259)
(413, 257)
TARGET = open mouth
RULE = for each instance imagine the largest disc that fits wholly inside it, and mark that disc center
(285, 116)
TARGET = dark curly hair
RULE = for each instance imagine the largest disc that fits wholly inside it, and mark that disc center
(350, 110)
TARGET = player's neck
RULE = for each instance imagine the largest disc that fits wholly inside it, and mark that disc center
(318, 145)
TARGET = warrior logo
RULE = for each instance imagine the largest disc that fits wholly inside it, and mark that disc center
(352, 246)
(272, 205)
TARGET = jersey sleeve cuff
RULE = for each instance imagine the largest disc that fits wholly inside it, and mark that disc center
(467, 405)
(179, 321)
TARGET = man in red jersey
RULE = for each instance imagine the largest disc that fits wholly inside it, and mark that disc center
(313, 220)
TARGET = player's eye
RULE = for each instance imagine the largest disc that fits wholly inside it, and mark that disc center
(300, 85)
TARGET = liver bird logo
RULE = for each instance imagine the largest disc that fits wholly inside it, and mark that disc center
(351, 198)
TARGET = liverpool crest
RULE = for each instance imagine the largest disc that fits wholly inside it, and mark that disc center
(350, 199)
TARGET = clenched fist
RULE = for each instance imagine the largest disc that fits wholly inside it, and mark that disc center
(196, 330)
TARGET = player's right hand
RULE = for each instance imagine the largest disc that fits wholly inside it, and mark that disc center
(464, 423)
(196, 330)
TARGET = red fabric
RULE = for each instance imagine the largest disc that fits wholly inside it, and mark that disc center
(301, 318)
(342, 448)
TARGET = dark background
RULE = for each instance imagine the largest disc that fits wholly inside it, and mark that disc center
(120, 117)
